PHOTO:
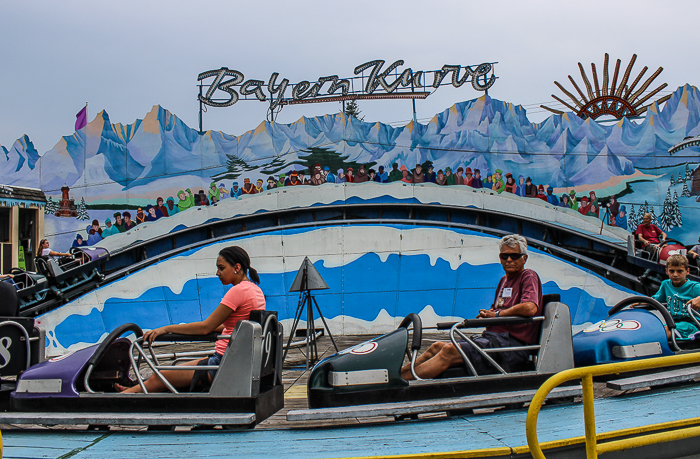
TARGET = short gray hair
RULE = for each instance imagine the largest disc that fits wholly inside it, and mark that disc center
(513, 241)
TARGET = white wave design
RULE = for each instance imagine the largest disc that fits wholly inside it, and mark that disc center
(334, 246)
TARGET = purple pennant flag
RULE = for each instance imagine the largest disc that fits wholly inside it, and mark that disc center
(81, 119)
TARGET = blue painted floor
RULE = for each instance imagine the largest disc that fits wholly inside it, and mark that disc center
(492, 430)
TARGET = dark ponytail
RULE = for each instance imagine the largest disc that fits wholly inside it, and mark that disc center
(235, 254)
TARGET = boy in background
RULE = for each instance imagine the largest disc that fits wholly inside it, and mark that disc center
(677, 292)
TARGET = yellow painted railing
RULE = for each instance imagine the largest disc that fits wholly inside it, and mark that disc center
(586, 375)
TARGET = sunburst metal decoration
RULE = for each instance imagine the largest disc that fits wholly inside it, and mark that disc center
(611, 99)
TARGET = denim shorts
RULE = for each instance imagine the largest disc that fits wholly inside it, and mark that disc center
(214, 360)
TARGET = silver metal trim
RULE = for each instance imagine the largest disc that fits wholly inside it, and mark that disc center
(637, 350)
(693, 314)
(414, 355)
(40, 386)
(533, 347)
(187, 367)
(467, 362)
(477, 348)
(358, 378)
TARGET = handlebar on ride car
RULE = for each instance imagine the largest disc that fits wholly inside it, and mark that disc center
(182, 337)
(486, 322)
(414, 319)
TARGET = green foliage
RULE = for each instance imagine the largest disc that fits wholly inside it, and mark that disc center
(632, 219)
(330, 158)
(654, 218)
(677, 217)
(51, 206)
(82, 210)
(666, 219)
(235, 166)
(352, 109)
(274, 166)
(686, 192)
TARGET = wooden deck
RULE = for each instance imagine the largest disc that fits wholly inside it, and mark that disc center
(295, 376)
(497, 434)
(487, 433)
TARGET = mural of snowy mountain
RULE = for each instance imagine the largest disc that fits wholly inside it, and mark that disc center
(19, 159)
(485, 133)
(116, 167)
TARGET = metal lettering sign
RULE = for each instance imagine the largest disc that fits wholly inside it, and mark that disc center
(389, 83)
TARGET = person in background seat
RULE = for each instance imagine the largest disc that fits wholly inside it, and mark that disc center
(47, 252)
(649, 235)
(678, 292)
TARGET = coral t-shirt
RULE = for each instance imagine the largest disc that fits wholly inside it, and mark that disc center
(241, 298)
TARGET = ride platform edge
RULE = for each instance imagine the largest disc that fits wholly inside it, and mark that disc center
(496, 434)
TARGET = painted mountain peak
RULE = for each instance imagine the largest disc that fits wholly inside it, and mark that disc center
(21, 154)
(484, 133)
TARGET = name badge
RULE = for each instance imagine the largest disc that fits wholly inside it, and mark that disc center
(507, 292)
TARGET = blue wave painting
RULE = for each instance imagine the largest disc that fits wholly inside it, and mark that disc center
(359, 290)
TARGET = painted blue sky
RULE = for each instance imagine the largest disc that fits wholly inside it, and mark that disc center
(126, 57)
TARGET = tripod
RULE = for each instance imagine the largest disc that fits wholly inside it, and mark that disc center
(607, 217)
(308, 278)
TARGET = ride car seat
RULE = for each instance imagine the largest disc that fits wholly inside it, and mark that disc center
(530, 364)
(42, 265)
(9, 303)
(22, 344)
(538, 361)
(52, 268)
(271, 362)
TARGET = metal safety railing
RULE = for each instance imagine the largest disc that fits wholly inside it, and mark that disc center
(586, 375)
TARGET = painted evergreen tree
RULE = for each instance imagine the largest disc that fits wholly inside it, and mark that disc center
(82, 210)
(688, 173)
(673, 182)
(643, 209)
(235, 167)
(666, 218)
(274, 166)
(680, 178)
(677, 217)
(654, 218)
(51, 206)
(686, 192)
(352, 109)
(632, 219)
(327, 157)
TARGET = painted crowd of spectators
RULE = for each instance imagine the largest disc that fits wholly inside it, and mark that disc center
(524, 187)
(185, 199)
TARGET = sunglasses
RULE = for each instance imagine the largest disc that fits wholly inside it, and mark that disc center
(512, 256)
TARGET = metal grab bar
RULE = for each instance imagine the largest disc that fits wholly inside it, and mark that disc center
(586, 374)
(156, 367)
(483, 352)
(693, 314)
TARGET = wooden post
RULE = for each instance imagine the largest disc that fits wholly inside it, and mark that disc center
(14, 234)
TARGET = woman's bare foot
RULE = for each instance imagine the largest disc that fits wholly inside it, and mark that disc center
(119, 388)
